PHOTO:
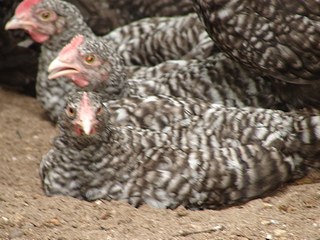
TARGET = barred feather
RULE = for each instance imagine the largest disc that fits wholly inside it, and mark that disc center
(268, 36)
(152, 41)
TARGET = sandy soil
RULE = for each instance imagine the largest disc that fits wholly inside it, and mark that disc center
(293, 212)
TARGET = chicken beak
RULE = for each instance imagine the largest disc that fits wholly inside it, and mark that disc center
(58, 68)
(86, 125)
(86, 116)
(17, 23)
(13, 23)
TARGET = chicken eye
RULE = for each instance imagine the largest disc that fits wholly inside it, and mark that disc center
(99, 110)
(45, 15)
(89, 59)
(71, 112)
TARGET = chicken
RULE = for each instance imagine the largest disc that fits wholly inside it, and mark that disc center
(46, 25)
(93, 64)
(227, 156)
(54, 23)
(278, 39)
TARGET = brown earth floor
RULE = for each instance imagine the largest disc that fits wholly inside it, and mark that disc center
(293, 212)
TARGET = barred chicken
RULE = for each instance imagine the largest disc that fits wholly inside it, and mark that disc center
(227, 156)
(50, 28)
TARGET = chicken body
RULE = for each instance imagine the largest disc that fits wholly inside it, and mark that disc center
(227, 156)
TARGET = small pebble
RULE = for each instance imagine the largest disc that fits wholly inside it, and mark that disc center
(317, 223)
(275, 222)
(267, 205)
(269, 222)
(104, 228)
(219, 228)
(74, 225)
(182, 212)
(53, 222)
(269, 237)
(266, 222)
(36, 196)
(18, 194)
(106, 215)
(284, 208)
(279, 232)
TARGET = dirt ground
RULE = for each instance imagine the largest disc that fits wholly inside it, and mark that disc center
(292, 212)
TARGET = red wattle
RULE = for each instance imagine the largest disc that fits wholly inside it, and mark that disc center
(80, 82)
(38, 37)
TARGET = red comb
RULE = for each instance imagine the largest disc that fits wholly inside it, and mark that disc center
(26, 5)
(85, 106)
(85, 100)
(74, 43)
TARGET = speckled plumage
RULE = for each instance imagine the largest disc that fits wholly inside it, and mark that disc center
(153, 112)
(227, 156)
(151, 41)
(278, 39)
